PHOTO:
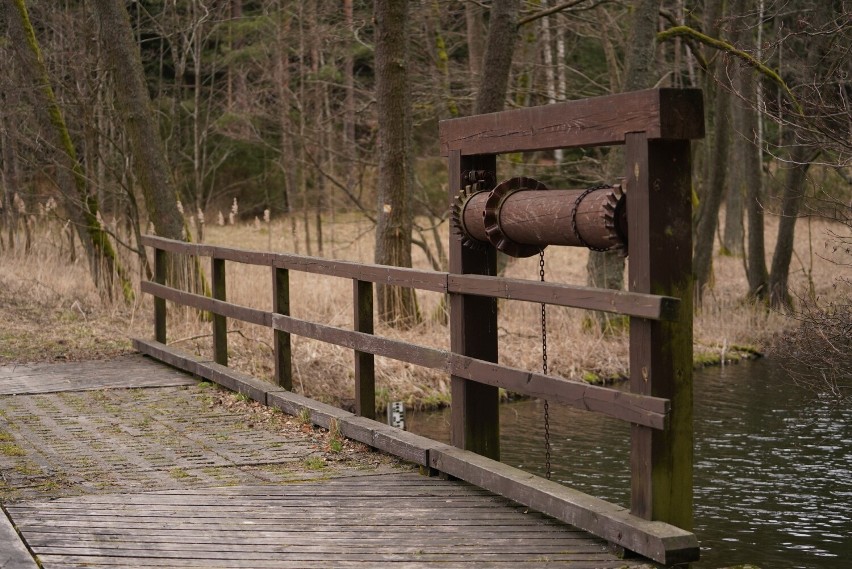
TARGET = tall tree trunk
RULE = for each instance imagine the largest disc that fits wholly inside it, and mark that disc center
(134, 106)
(747, 150)
(81, 206)
(713, 190)
(733, 235)
(396, 305)
(151, 167)
(287, 158)
(791, 200)
(475, 25)
(708, 209)
(497, 60)
(606, 269)
(9, 159)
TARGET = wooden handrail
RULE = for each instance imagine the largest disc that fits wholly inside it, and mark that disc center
(639, 305)
(639, 409)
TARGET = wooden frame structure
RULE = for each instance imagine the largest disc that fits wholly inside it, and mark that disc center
(656, 126)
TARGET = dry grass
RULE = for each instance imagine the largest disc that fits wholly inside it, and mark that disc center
(55, 312)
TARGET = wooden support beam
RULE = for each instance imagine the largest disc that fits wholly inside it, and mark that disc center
(365, 369)
(473, 332)
(661, 113)
(220, 323)
(160, 269)
(659, 215)
(282, 346)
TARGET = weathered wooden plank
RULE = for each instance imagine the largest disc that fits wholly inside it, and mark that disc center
(202, 250)
(631, 304)
(475, 417)
(13, 552)
(283, 348)
(363, 342)
(383, 274)
(423, 280)
(126, 372)
(220, 323)
(293, 403)
(172, 356)
(365, 367)
(244, 313)
(643, 410)
(659, 541)
(52, 561)
(160, 270)
(659, 185)
(661, 113)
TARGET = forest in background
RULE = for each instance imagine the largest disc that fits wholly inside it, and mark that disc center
(275, 109)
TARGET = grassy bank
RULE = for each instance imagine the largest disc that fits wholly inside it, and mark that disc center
(53, 312)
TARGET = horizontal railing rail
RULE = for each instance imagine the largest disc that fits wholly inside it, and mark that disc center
(639, 305)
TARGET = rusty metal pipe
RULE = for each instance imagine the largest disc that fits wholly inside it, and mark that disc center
(521, 221)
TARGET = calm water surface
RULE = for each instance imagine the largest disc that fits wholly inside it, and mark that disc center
(773, 466)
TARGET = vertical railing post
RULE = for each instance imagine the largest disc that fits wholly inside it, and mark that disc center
(281, 305)
(220, 323)
(473, 331)
(365, 370)
(659, 214)
(160, 261)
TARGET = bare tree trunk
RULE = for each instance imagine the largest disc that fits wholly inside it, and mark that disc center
(396, 305)
(134, 105)
(475, 24)
(287, 158)
(497, 62)
(707, 217)
(708, 210)
(733, 235)
(81, 206)
(791, 201)
(9, 157)
(747, 151)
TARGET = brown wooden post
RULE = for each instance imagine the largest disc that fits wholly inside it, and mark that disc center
(220, 323)
(365, 370)
(659, 216)
(283, 351)
(473, 332)
(160, 262)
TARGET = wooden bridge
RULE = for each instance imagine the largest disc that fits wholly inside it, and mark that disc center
(249, 524)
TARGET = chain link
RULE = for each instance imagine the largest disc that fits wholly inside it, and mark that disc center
(547, 469)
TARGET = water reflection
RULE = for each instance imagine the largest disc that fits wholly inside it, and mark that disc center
(773, 467)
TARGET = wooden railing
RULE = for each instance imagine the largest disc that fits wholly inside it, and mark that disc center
(655, 126)
(638, 409)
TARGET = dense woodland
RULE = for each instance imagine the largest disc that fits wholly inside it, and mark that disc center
(165, 115)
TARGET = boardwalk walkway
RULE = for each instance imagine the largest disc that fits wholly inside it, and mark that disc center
(129, 463)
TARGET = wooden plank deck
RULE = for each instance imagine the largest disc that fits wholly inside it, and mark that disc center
(352, 516)
(127, 371)
(404, 519)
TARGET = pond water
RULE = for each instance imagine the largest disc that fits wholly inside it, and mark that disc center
(773, 465)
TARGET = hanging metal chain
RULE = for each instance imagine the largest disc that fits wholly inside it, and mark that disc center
(547, 470)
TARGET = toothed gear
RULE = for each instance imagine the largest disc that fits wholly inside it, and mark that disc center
(614, 216)
(478, 180)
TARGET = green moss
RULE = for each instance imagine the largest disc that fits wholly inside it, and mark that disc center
(314, 463)
(178, 473)
(11, 449)
(592, 377)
